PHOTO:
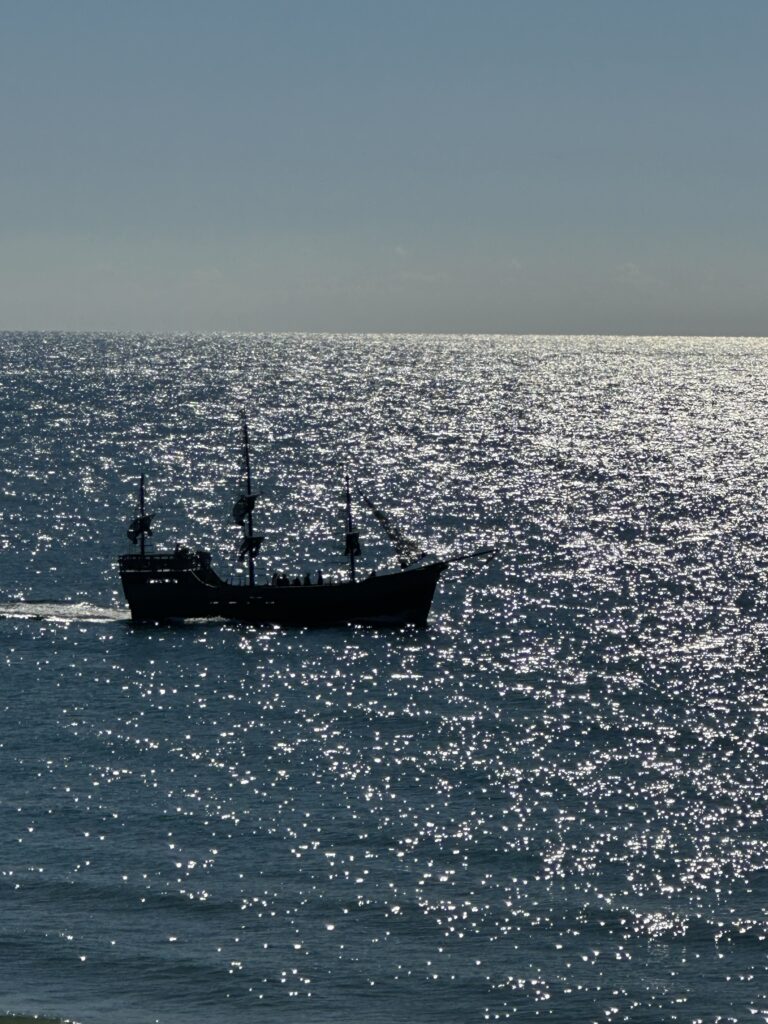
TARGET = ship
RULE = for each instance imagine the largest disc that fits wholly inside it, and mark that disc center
(177, 584)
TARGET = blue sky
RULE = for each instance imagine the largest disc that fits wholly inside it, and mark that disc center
(348, 165)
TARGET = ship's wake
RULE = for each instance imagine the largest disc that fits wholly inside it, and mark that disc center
(61, 611)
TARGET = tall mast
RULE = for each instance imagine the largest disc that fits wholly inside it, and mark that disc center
(141, 514)
(353, 545)
(248, 493)
(141, 526)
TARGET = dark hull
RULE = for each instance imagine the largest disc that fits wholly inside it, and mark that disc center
(164, 587)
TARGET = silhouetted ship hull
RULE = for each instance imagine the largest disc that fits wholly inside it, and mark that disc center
(182, 584)
(161, 587)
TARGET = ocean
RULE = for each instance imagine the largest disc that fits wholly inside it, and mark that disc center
(548, 804)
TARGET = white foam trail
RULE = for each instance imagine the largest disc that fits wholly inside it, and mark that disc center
(62, 611)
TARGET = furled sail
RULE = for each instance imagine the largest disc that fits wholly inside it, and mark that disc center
(139, 526)
(352, 546)
(408, 550)
(244, 504)
(249, 544)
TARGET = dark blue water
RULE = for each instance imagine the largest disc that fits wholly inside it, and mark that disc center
(549, 803)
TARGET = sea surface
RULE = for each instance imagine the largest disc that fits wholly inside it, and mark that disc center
(548, 804)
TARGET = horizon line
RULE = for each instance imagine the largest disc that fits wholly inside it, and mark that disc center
(178, 332)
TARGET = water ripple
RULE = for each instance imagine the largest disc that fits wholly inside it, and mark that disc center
(551, 803)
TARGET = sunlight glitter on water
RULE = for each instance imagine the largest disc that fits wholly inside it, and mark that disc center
(550, 803)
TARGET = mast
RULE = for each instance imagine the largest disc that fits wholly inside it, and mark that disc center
(353, 544)
(248, 494)
(141, 514)
(141, 526)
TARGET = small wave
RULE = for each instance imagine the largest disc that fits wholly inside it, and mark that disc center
(61, 611)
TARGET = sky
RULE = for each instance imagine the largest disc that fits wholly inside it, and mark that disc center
(485, 166)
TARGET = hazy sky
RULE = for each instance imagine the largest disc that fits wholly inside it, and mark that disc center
(428, 165)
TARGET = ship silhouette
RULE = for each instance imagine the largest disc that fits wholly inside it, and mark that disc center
(182, 584)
